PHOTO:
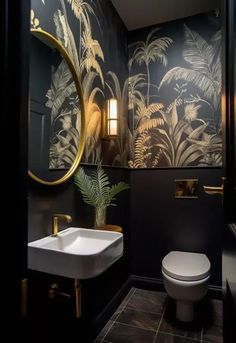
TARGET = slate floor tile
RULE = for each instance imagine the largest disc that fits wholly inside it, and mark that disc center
(144, 320)
(120, 333)
(167, 338)
(149, 317)
(105, 330)
(171, 325)
(148, 301)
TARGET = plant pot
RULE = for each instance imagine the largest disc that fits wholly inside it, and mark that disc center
(100, 217)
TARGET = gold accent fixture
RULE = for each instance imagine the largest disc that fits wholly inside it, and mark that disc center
(54, 291)
(56, 44)
(78, 298)
(110, 119)
(55, 219)
(212, 190)
(24, 297)
(186, 188)
(111, 227)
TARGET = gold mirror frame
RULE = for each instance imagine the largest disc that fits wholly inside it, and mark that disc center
(51, 39)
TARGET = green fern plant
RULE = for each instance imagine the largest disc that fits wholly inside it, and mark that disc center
(97, 192)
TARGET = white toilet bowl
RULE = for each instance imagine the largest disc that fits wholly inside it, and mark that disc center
(185, 277)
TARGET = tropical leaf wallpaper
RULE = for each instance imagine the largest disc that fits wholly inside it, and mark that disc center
(167, 80)
(96, 40)
(174, 93)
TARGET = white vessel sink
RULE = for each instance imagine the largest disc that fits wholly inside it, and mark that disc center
(76, 252)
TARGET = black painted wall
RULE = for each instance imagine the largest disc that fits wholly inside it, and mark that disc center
(229, 282)
(14, 33)
(97, 292)
(160, 223)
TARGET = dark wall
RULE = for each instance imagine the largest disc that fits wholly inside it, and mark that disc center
(14, 28)
(229, 282)
(160, 223)
(97, 292)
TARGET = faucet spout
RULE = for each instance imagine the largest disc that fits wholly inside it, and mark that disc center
(55, 221)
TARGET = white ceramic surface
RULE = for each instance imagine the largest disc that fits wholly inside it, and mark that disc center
(186, 276)
(76, 252)
(186, 266)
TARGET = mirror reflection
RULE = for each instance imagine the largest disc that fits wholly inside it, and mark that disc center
(56, 111)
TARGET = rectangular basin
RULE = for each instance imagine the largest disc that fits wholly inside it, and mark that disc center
(76, 253)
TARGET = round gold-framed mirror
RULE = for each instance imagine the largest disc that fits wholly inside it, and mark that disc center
(56, 136)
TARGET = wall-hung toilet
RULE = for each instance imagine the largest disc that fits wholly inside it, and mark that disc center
(185, 277)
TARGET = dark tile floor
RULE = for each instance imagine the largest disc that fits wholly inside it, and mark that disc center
(149, 317)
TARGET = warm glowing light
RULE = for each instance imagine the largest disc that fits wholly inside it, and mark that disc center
(110, 125)
(112, 109)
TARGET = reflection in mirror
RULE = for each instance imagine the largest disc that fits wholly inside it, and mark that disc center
(56, 118)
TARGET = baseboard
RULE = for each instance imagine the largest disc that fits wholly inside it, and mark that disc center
(144, 282)
(107, 312)
(214, 292)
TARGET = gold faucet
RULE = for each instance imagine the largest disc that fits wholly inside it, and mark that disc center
(55, 219)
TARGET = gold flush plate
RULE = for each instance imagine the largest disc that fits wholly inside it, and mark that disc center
(186, 188)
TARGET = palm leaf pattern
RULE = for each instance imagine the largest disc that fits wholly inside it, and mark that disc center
(150, 124)
(65, 35)
(82, 10)
(142, 151)
(135, 85)
(61, 88)
(205, 67)
(175, 132)
(86, 59)
(91, 50)
(151, 50)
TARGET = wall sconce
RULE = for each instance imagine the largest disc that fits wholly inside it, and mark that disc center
(110, 119)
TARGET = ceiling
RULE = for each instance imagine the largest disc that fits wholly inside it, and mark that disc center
(141, 13)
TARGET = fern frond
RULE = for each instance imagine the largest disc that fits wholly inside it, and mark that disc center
(145, 112)
(95, 188)
(101, 183)
(86, 187)
(150, 124)
(115, 189)
(142, 150)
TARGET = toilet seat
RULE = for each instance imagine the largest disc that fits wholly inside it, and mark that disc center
(186, 266)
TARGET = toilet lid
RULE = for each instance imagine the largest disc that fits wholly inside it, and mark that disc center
(186, 266)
